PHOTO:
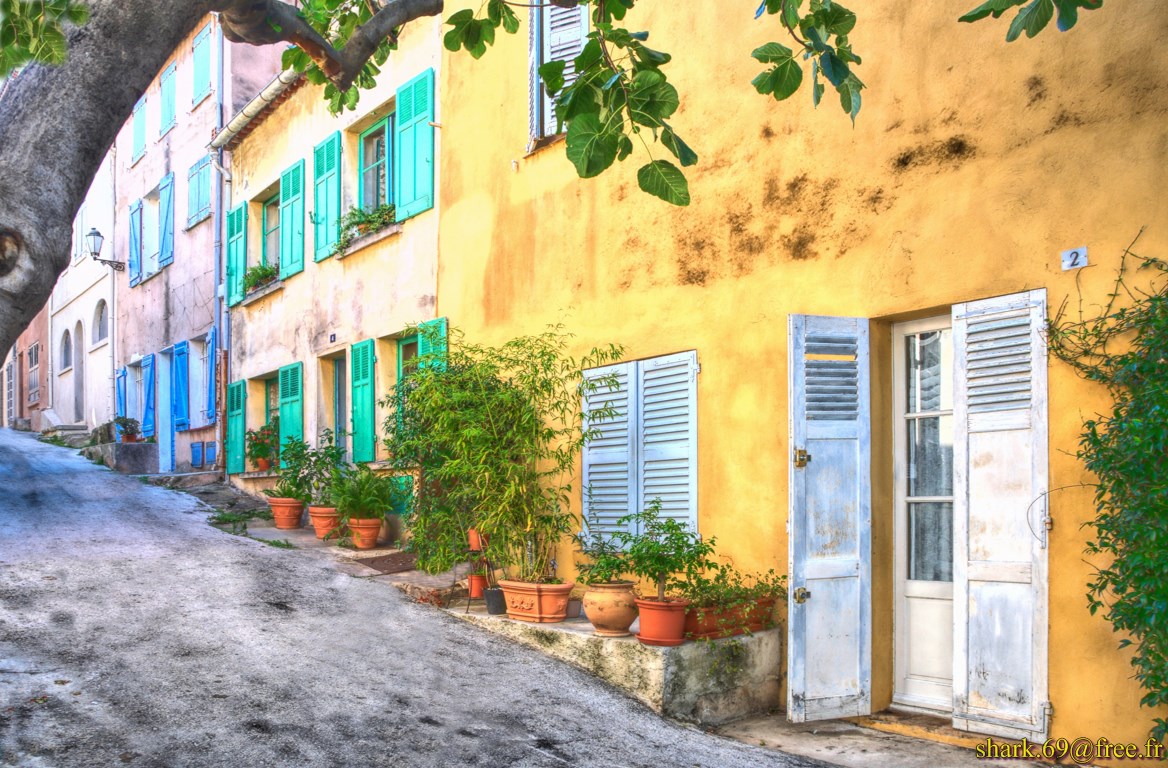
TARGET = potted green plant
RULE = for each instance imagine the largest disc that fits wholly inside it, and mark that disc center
(263, 445)
(494, 432)
(609, 600)
(128, 429)
(725, 603)
(259, 275)
(363, 498)
(322, 470)
(288, 496)
(661, 549)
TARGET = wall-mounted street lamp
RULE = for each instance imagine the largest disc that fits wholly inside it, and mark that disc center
(93, 242)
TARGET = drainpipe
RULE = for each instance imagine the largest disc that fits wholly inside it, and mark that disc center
(222, 319)
(113, 283)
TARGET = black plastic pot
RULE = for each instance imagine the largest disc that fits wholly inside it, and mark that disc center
(494, 599)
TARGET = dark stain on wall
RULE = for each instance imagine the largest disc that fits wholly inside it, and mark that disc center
(951, 151)
(1035, 90)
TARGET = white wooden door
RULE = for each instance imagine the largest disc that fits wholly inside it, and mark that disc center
(829, 522)
(923, 471)
(1000, 482)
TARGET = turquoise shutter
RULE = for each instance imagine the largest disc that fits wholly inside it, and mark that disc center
(120, 395)
(236, 252)
(148, 396)
(166, 221)
(432, 342)
(139, 129)
(292, 220)
(198, 191)
(291, 383)
(166, 118)
(201, 63)
(361, 376)
(413, 147)
(212, 370)
(180, 398)
(405, 499)
(236, 414)
(326, 201)
(135, 242)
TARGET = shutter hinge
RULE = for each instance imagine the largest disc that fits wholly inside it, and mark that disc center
(1047, 716)
(697, 368)
(801, 457)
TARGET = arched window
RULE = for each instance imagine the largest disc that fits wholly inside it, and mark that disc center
(100, 321)
(66, 351)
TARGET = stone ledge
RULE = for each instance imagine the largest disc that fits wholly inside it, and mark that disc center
(707, 682)
(364, 241)
(261, 292)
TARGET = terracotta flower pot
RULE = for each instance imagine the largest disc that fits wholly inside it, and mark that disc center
(324, 520)
(539, 603)
(476, 583)
(710, 622)
(286, 512)
(262, 465)
(662, 623)
(129, 438)
(611, 608)
(475, 541)
(365, 531)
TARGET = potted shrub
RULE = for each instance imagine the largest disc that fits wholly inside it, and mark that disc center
(494, 433)
(263, 445)
(287, 498)
(609, 601)
(660, 550)
(322, 470)
(725, 603)
(128, 429)
(363, 499)
(259, 276)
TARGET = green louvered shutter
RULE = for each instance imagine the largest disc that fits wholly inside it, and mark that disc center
(236, 409)
(326, 201)
(413, 147)
(292, 221)
(291, 383)
(432, 341)
(361, 374)
(236, 252)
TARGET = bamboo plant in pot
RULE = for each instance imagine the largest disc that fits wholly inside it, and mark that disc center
(661, 549)
(363, 499)
(609, 600)
(495, 432)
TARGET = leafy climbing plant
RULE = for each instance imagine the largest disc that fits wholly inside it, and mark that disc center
(1124, 347)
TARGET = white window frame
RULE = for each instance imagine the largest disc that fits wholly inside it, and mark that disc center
(151, 235)
(34, 372)
(197, 373)
(79, 234)
(541, 114)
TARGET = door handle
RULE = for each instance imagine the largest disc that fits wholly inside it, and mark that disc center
(801, 595)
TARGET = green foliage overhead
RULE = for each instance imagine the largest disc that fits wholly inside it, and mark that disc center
(34, 30)
(1125, 348)
(1034, 14)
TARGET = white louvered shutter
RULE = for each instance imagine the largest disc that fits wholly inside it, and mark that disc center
(830, 520)
(1000, 484)
(562, 36)
(668, 431)
(609, 474)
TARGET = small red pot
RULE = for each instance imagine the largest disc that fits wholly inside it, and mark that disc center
(262, 465)
(475, 541)
(476, 583)
(286, 512)
(130, 438)
(662, 622)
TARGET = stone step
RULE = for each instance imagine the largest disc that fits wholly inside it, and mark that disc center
(182, 479)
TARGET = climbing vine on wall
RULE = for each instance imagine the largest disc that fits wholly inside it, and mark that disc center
(1124, 347)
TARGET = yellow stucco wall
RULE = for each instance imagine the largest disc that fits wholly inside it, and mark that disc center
(373, 292)
(972, 165)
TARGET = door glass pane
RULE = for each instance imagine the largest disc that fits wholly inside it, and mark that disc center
(930, 541)
(339, 389)
(929, 362)
(930, 456)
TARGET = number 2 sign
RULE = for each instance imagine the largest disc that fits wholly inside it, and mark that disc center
(1074, 258)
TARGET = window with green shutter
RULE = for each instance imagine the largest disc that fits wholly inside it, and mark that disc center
(166, 116)
(292, 220)
(291, 382)
(374, 161)
(326, 198)
(201, 65)
(414, 147)
(432, 343)
(270, 246)
(199, 192)
(236, 426)
(362, 361)
(236, 252)
(139, 129)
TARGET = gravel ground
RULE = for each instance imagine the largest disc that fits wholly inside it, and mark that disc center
(133, 633)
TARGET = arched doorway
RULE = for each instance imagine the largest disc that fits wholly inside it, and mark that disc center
(79, 374)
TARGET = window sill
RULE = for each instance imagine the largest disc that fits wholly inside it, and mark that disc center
(63, 371)
(364, 241)
(99, 344)
(200, 99)
(166, 130)
(135, 158)
(535, 145)
(261, 292)
(259, 475)
(142, 280)
(203, 216)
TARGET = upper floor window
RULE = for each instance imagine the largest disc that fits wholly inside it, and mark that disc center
(375, 161)
(79, 235)
(66, 351)
(139, 129)
(152, 231)
(270, 253)
(166, 111)
(201, 65)
(100, 321)
(34, 372)
(199, 192)
(557, 34)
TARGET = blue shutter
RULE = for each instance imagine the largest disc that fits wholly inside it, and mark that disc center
(201, 65)
(135, 242)
(196, 454)
(212, 339)
(166, 112)
(413, 147)
(166, 221)
(120, 395)
(180, 399)
(139, 129)
(148, 396)
(209, 454)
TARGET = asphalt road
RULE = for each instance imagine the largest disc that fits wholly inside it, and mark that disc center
(133, 633)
